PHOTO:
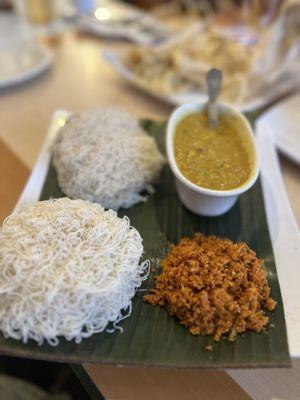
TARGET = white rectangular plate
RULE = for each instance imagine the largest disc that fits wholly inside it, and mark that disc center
(282, 225)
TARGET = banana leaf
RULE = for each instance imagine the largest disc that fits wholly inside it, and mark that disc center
(151, 337)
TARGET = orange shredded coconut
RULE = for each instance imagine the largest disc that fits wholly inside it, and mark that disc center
(213, 286)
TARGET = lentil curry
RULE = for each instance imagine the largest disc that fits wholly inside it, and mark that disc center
(214, 158)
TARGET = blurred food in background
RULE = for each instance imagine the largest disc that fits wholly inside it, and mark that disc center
(279, 52)
(182, 64)
(254, 11)
(258, 52)
(254, 42)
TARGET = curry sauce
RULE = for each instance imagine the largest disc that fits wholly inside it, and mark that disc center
(214, 158)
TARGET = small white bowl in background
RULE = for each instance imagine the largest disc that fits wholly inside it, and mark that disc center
(200, 200)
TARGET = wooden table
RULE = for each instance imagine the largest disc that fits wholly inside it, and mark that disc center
(80, 80)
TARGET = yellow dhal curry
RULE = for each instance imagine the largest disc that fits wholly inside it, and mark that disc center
(214, 158)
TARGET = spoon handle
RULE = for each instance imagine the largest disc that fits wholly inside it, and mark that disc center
(214, 83)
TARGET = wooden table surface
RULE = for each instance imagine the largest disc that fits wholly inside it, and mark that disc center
(79, 80)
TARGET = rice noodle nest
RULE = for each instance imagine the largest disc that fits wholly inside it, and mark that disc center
(67, 268)
(105, 156)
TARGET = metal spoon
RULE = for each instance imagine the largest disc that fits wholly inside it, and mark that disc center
(214, 83)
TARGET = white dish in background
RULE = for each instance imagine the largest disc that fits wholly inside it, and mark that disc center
(200, 200)
(284, 119)
(21, 56)
(17, 67)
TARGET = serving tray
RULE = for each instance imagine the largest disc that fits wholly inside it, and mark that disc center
(151, 337)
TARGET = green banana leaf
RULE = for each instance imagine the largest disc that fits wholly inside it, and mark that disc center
(151, 337)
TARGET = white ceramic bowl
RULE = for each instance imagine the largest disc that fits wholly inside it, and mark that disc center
(198, 199)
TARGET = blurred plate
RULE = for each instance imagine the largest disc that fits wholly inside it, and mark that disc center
(114, 19)
(177, 99)
(284, 119)
(21, 64)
